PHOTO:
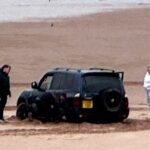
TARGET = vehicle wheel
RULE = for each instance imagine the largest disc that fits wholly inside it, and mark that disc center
(21, 111)
(111, 100)
(123, 115)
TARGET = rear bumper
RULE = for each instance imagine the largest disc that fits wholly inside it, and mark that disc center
(101, 114)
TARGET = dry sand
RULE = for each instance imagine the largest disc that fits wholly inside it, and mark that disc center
(116, 141)
(119, 40)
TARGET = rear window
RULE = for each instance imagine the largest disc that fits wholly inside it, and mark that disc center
(97, 82)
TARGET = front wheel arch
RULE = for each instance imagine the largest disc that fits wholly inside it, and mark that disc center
(21, 112)
(21, 100)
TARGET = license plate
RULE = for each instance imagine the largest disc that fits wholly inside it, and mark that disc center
(87, 104)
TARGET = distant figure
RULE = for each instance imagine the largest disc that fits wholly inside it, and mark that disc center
(4, 89)
(147, 85)
(52, 24)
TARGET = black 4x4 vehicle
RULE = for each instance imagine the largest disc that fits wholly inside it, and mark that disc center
(75, 95)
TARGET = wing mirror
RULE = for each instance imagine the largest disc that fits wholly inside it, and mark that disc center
(34, 85)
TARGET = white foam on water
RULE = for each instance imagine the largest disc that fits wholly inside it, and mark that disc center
(18, 10)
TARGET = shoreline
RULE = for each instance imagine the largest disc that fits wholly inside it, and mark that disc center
(60, 19)
(128, 83)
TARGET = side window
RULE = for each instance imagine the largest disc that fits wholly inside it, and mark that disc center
(56, 81)
(46, 82)
(64, 81)
(67, 81)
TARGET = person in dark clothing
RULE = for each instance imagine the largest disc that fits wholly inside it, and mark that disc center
(4, 88)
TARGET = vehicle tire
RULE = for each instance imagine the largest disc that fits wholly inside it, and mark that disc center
(21, 111)
(111, 100)
(123, 115)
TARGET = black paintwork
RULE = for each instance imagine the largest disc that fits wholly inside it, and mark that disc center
(66, 92)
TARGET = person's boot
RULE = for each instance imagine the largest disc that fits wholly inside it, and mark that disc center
(2, 120)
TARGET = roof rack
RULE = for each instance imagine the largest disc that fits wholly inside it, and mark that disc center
(102, 69)
(60, 68)
(79, 70)
(67, 69)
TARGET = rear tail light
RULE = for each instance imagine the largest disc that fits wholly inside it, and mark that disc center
(76, 102)
(126, 101)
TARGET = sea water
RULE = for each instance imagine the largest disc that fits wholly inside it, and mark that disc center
(23, 10)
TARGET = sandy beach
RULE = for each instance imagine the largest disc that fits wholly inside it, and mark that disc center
(119, 40)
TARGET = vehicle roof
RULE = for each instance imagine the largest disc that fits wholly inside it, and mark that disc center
(83, 71)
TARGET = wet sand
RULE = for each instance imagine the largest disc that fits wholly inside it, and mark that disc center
(118, 40)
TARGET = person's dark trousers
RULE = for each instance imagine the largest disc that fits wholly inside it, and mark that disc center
(3, 101)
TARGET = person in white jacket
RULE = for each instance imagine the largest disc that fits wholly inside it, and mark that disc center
(147, 84)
